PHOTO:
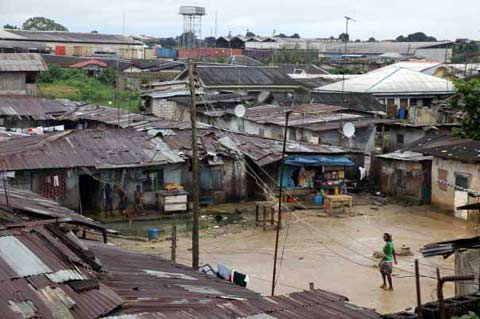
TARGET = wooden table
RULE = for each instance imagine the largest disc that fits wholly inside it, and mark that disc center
(268, 210)
(330, 199)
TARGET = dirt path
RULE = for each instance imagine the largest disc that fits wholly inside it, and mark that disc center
(333, 253)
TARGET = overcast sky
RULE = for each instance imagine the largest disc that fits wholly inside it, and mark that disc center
(444, 19)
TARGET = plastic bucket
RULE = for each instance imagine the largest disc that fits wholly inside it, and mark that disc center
(318, 199)
(152, 233)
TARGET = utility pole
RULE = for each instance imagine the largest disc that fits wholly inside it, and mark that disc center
(195, 170)
(279, 224)
(347, 19)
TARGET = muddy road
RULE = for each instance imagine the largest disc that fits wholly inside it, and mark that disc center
(334, 253)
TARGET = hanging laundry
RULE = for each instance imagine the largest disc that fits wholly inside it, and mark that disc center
(56, 181)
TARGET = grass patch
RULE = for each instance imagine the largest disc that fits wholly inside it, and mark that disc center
(75, 85)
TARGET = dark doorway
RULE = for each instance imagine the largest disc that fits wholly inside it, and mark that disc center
(90, 194)
(427, 182)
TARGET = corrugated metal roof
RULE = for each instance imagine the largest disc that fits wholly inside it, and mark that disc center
(60, 36)
(65, 275)
(28, 290)
(33, 205)
(121, 118)
(21, 62)
(379, 47)
(206, 297)
(31, 107)
(393, 80)
(243, 76)
(20, 259)
(99, 148)
(406, 156)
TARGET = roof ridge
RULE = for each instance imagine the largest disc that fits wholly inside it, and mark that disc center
(383, 79)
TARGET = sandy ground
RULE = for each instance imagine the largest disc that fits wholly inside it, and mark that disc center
(332, 252)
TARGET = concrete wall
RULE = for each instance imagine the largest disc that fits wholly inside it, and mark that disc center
(402, 179)
(169, 110)
(444, 197)
(234, 181)
(12, 83)
(410, 135)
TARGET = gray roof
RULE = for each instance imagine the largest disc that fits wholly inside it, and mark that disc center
(306, 68)
(22, 62)
(243, 60)
(60, 36)
(29, 107)
(122, 118)
(361, 102)
(244, 76)
(406, 156)
(380, 47)
(36, 207)
(393, 80)
(101, 149)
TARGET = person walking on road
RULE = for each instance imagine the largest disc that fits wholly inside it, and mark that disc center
(386, 264)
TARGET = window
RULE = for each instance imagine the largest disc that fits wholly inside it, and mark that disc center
(30, 77)
(404, 103)
(442, 179)
(461, 180)
(400, 139)
(413, 102)
(261, 132)
(390, 101)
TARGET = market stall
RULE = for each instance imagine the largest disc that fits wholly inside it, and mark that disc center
(316, 175)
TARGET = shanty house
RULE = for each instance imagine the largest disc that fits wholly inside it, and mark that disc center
(455, 178)
(405, 175)
(309, 123)
(406, 94)
(18, 73)
(21, 112)
(223, 176)
(263, 160)
(242, 79)
(73, 167)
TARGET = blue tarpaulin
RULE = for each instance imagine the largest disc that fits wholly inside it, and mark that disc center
(298, 160)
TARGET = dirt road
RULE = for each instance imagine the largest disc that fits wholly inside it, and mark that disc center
(333, 253)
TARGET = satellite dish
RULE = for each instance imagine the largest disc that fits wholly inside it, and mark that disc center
(240, 110)
(348, 129)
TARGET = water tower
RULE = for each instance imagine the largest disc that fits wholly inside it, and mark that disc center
(192, 25)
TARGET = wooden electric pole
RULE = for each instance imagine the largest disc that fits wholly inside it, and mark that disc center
(195, 170)
(279, 224)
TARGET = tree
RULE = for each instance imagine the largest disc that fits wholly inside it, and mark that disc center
(42, 24)
(467, 100)
(372, 39)
(94, 31)
(9, 26)
(344, 37)
(295, 36)
(416, 37)
(250, 34)
(281, 35)
(358, 40)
